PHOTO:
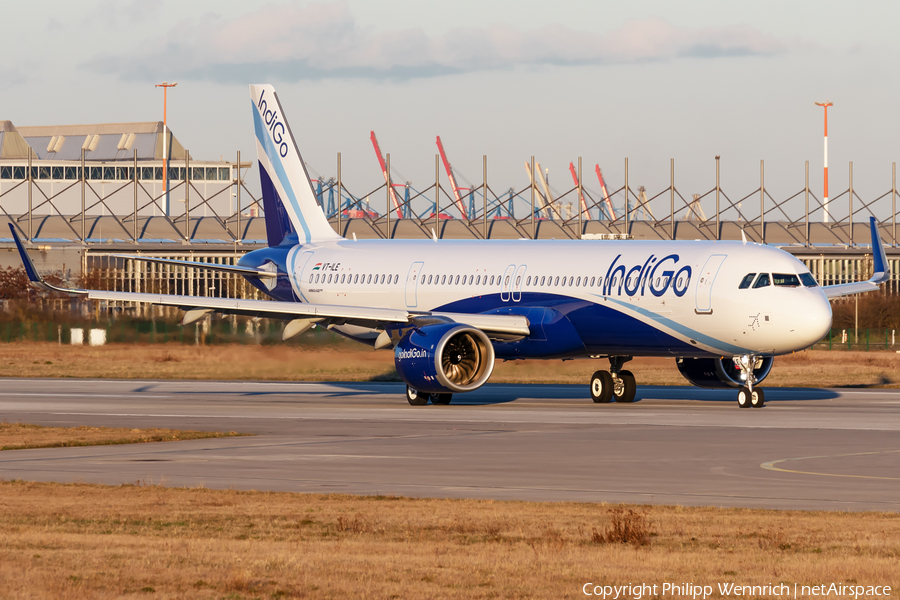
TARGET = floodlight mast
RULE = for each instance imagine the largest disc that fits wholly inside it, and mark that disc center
(165, 85)
(825, 216)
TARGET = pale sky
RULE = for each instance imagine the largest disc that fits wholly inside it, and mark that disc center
(647, 80)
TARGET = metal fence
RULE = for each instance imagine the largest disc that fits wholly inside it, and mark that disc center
(480, 210)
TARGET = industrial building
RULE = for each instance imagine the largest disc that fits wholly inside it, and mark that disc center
(70, 182)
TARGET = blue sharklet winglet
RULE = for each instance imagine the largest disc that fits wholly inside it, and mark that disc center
(881, 269)
(33, 276)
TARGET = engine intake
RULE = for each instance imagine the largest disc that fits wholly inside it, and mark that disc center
(446, 357)
(720, 373)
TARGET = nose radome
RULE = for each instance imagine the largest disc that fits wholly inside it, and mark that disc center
(813, 318)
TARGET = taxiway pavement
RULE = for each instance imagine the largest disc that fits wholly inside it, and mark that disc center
(807, 449)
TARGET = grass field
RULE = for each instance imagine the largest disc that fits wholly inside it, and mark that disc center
(87, 541)
(811, 368)
(21, 436)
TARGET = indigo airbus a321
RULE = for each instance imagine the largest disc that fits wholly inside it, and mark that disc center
(450, 308)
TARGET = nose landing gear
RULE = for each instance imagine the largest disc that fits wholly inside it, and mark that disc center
(748, 396)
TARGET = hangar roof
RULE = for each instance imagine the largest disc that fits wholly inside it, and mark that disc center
(104, 141)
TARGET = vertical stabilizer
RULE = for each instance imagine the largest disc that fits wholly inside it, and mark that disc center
(288, 197)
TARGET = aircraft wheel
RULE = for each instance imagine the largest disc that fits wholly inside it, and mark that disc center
(441, 398)
(601, 387)
(744, 397)
(624, 388)
(415, 397)
(757, 398)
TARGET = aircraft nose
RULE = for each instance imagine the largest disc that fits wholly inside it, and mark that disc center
(813, 318)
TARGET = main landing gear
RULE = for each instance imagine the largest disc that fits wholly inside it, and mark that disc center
(417, 398)
(615, 384)
(748, 395)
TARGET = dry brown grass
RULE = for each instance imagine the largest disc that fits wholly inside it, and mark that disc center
(811, 368)
(20, 436)
(86, 541)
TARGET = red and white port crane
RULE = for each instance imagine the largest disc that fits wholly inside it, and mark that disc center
(458, 197)
(387, 180)
(609, 206)
(584, 207)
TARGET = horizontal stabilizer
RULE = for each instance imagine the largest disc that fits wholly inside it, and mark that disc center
(248, 271)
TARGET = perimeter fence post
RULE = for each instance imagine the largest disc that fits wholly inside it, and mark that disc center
(806, 195)
(532, 197)
(718, 188)
(30, 183)
(762, 201)
(626, 195)
(134, 235)
(83, 176)
(580, 207)
(672, 198)
(387, 179)
(484, 196)
(237, 202)
(340, 198)
(850, 200)
(187, 196)
(437, 194)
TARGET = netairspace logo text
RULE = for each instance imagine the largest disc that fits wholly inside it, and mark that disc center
(701, 592)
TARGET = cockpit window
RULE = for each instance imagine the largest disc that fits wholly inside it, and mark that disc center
(762, 281)
(746, 281)
(785, 280)
(808, 280)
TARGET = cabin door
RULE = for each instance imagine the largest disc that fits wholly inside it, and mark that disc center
(506, 283)
(412, 283)
(517, 283)
(707, 276)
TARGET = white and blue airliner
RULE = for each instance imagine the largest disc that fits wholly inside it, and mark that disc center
(449, 308)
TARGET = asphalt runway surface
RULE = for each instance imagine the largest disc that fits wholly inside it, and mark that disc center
(807, 449)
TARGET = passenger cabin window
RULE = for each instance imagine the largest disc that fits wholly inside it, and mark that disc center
(762, 281)
(746, 281)
(808, 280)
(785, 280)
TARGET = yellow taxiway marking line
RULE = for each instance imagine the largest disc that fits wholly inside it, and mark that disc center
(771, 465)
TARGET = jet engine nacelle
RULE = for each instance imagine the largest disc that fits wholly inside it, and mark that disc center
(445, 357)
(720, 372)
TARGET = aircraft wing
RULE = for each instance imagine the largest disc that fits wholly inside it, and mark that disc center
(881, 268)
(198, 306)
